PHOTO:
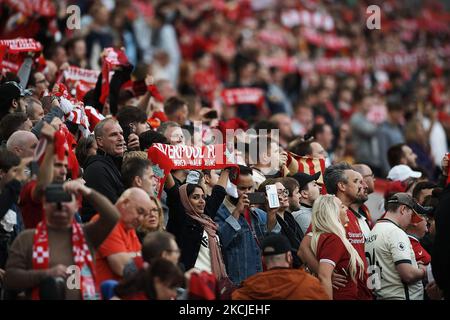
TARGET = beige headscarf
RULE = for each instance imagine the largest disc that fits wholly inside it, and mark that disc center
(217, 265)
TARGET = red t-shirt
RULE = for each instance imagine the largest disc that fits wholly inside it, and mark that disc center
(119, 240)
(330, 249)
(421, 254)
(32, 209)
(356, 238)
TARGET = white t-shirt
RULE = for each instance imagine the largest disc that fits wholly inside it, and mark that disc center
(364, 226)
(203, 262)
(387, 246)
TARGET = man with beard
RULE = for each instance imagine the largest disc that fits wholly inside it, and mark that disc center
(358, 208)
(242, 228)
(342, 181)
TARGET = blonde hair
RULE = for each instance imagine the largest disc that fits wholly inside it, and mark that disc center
(160, 212)
(325, 219)
(143, 228)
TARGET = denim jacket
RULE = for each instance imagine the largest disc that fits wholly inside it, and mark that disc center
(241, 244)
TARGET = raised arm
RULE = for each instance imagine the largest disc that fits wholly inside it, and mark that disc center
(109, 215)
(45, 174)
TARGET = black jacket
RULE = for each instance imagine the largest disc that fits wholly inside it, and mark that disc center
(189, 232)
(440, 257)
(292, 231)
(102, 173)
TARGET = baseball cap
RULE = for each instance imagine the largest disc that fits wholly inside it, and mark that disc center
(303, 178)
(14, 90)
(10, 90)
(275, 244)
(402, 172)
(407, 200)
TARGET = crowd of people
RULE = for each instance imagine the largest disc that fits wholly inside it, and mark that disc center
(335, 119)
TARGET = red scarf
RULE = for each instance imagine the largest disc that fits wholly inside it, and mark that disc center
(112, 59)
(81, 256)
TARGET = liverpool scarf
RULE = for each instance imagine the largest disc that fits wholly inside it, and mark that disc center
(81, 256)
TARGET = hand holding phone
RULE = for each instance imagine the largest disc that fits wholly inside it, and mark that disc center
(257, 198)
(242, 204)
(272, 196)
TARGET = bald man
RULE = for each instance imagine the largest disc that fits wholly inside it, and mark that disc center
(367, 174)
(22, 143)
(122, 244)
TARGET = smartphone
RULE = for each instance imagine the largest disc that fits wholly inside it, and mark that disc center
(55, 193)
(257, 197)
(272, 196)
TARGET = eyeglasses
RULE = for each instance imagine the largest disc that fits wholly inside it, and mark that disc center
(283, 192)
(369, 176)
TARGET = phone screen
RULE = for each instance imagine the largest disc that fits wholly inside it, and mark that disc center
(272, 196)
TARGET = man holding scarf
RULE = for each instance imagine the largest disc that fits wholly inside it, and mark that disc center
(59, 242)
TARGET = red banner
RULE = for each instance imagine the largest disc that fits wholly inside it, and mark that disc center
(316, 20)
(168, 157)
(274, 37)
(112, 59)
(45, 8)
(384, 61)
(287, 64)
(21, 45)
(328, 41)
(82, 80)
(11, 53)
(333, 65)
(78, 74)
(238, 96)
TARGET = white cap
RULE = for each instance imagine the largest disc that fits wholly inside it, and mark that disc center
(402, 172)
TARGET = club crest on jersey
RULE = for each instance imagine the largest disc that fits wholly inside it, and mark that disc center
(401, 246)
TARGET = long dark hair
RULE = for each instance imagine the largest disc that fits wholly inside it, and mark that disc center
(144, 280)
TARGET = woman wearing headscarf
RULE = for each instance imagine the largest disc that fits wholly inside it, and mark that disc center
(191, 220)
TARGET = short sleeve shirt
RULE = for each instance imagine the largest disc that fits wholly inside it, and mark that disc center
(330, 249)
(388, 246)
(119, 240)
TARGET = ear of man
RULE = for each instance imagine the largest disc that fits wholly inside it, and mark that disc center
(137, 181)
(341, 186)
(304, 193)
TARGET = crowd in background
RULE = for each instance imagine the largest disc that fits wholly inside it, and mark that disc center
(371, 105)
